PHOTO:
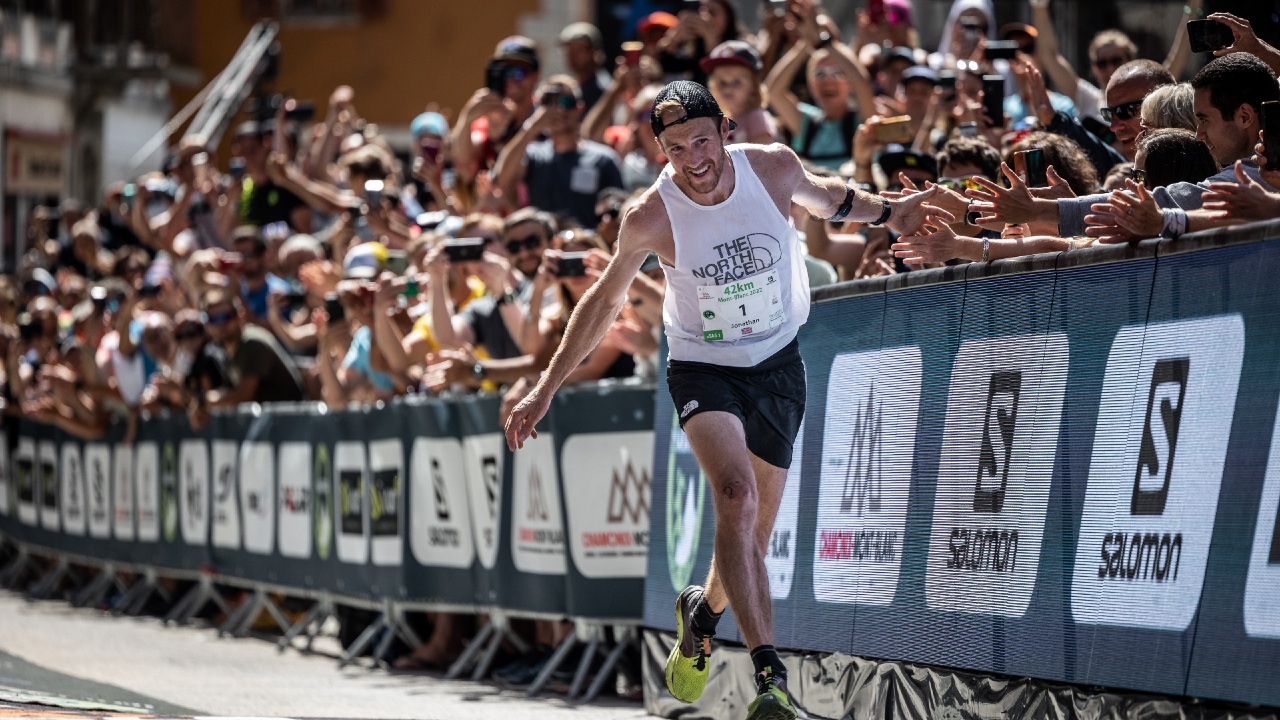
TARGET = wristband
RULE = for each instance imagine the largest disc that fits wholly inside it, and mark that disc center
(884, 214)
(986, 249)
(845, 207)
(1174, 223)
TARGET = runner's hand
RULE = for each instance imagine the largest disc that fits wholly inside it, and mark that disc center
(526, 414)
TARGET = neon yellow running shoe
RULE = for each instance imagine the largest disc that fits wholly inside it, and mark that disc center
(687, 670)
(772, 703)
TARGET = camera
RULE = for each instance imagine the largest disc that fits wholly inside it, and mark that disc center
(572, 264)
(464, 249)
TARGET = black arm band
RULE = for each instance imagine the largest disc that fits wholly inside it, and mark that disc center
(884, 215)
(845, 207)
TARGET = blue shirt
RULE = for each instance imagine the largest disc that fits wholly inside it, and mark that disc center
(358, 359)
(256, 300)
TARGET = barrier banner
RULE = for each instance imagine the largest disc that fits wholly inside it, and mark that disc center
(1062, 472)
(441, 563)
(605, 454)
(516, 512)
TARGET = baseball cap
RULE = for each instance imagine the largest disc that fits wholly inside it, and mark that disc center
(656, 21)
(897, 53)
(517, 48)
(364, 261)
(919, 72)
(896, 157)
(732, 52)
(583, 31)
(697, 100)
(41, 282)
(429, 122)
(1014, 28)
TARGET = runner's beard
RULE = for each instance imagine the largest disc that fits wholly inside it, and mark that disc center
(707, 182)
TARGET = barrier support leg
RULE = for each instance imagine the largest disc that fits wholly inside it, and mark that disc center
(138, 594)
(554, 663)
(17, 569)
(502, 631)
(626, 637)
(93, 593)
(464, 660)
(588, 655)
(201, 594)
(396, 626)
(321, 611)
(239, 623)
(366, 638)
(43, 588)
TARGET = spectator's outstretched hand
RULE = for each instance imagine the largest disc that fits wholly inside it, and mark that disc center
(449, 367)
(1245, 200)
(1014, 204)
(1056, 189)
(1130, 214)
(319, 277)
(1246, 40)
(933, 243)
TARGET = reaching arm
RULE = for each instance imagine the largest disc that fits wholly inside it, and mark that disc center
(1060, 72)
(778, 87)
(1176, 61)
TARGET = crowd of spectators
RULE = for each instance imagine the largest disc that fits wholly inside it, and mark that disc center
(319, 265)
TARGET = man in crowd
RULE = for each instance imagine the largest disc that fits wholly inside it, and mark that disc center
(258, 368)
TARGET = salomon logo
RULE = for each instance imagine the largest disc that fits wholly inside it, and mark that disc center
(1003, 391)
(1160, 436)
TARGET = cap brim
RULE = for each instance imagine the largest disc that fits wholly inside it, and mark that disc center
(360, 273)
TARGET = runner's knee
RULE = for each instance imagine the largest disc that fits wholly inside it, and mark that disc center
(738, 497)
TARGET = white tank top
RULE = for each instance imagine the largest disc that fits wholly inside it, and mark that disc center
(739, 291)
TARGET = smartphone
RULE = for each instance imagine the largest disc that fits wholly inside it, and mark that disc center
(1271, 133)
(333, 307)
(895, 130)
(572, 264)
(1030, 166)
(1209, 35)
(631, 52)
(235, 168)
(411, 289)
(1001, 50)
(993, 98)
(495, 77)
(149, 291)
(464, 249)
(947, 79)
(968, 129)
(230, 261)
(373, 192)
(397, 261)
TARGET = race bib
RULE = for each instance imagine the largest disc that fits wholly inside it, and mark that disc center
(741, 308)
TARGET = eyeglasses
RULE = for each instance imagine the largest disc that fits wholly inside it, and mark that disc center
(1140, 175)
(517, 73)
(515, 245)
(828, 74)
(959, 184)
(219, 319)
(186, 335)
(607, 216)
(1111, 62)
(1123, 111)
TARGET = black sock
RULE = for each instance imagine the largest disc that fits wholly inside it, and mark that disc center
(704, 619)
(766, 660)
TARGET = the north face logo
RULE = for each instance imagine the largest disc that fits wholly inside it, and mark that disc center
(688, 408)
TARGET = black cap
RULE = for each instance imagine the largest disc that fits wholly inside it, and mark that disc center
(897, 157)
(697, 100)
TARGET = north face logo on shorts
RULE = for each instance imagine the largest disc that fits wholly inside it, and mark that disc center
(688, 408)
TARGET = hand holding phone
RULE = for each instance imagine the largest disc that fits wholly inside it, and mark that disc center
(895, 130)
(572, 264)
(993, 98)
(1209, 35)
(464, 249)
(1030, 165)
(631, 51)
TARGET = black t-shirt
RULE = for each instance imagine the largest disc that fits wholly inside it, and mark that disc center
(261, 205)
(485, 318)
(570, 182)
(260, 355)
(210, 364)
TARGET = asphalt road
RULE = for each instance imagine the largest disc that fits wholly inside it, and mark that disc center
(139, 665)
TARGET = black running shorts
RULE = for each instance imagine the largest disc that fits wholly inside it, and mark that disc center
(768, 398)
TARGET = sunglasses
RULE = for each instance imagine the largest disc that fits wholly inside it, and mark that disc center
(516, 72)
(828, 74)
(187, 335)
(560, 100)
(959, 184)
(1140, 175)
(1123, 111)
(1111, 62)
(606, 216)
(221, 318)
(515, 245)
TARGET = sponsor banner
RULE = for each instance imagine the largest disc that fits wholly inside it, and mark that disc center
(537, 530)
(146, 475)
(607, 479)
(97, 467)
(74, 504)
(6, 486)
(49, 485)
(25, 481)
(294, 505)
(386, 504)
(193, 463)
(257, 496)
(226, 499)
(1262, 585)
(483, 457)
(1149, 509)
(1003, 414)
(122, 492)
(441, 522)
(865, 483)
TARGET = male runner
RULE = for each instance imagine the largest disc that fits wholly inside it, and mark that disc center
(737, 293)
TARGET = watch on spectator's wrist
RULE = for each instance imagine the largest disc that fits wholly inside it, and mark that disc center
(824, 39)
(477, 372)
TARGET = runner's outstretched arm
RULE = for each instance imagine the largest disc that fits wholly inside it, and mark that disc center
(593, 315)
